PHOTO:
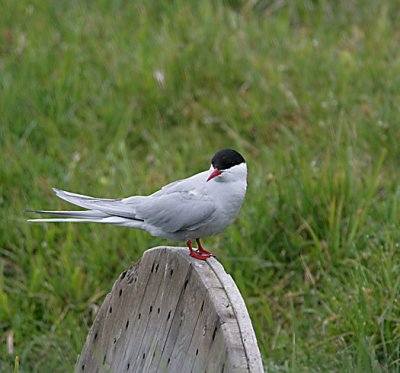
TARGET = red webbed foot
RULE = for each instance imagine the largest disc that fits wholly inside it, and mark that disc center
(201, 249)
(195, 254)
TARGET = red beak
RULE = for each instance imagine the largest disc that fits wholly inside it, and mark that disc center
(215, 173)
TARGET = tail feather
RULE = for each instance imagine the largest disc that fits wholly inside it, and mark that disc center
(73, 214)
(99, 210)
(108, 220)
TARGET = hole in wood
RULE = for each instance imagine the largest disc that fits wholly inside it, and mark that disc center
(127, 324)
(169, 359)
(169, 315)
(197, 352)
(95, 336)
(215, 332)
(152, 268)
(135, 279)
(115, 340)
(158, 310)
(202, 306)
(110, 310)
(171, 272)
(83, 366)
(157, 266)
(120, 292)
(140, 315)
(104, 359)
(144, 355)
(127, 367)
(123, 274)
(151, 309)
(186, 282)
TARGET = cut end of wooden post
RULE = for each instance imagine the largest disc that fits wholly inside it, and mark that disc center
(172, 313)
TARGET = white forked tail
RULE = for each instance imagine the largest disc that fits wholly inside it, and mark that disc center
(100, 210)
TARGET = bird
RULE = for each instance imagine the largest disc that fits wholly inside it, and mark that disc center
(185, 210)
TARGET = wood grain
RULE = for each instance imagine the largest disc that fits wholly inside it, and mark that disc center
(172, 313)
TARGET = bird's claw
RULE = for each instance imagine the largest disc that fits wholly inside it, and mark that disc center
(204, 253)
(196, 254)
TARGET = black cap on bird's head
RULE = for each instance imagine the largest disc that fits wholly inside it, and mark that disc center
(223, 160)
(226, 158)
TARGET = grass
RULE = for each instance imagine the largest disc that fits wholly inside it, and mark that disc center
(113, 98)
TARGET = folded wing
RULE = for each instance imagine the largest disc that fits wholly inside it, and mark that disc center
(176, 211)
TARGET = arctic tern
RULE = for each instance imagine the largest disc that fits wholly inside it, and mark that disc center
(199, 206)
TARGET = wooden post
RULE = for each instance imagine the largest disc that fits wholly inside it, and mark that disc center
(172, 313)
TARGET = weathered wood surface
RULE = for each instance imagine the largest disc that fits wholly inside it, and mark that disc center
(172, 313)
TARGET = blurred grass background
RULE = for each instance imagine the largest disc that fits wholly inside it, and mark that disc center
(114, 98)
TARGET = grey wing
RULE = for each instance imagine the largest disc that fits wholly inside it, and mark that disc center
(176, 211)
(184, 185)
(177, 206)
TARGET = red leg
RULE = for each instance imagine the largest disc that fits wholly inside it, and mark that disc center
(194, 254)
(201, 249)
